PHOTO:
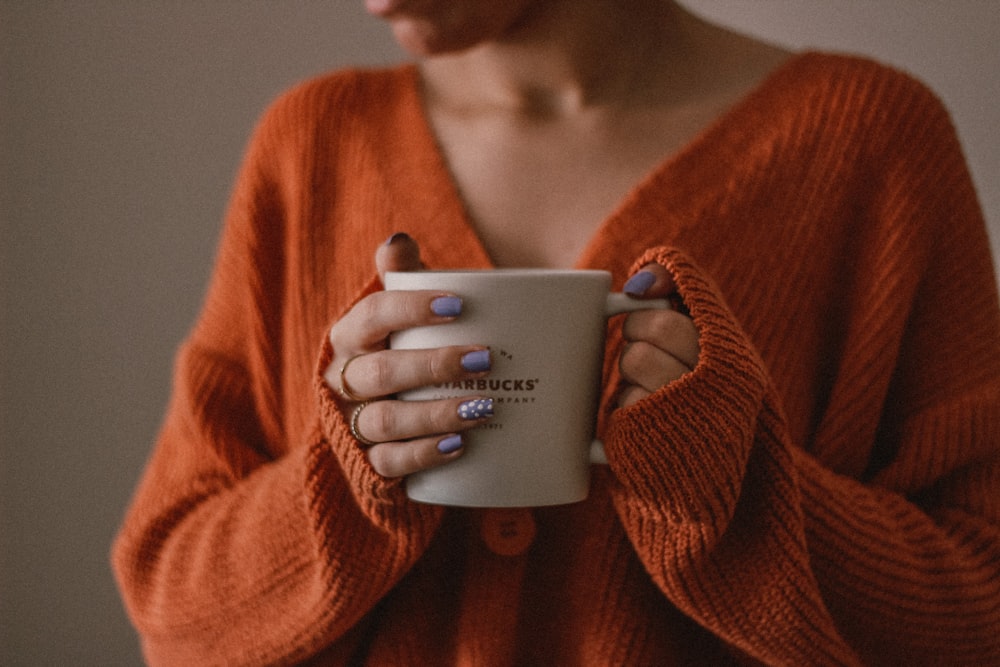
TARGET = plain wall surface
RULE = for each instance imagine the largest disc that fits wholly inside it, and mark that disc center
(121, 126)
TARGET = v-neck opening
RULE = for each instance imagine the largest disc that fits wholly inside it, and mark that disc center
(462, 245)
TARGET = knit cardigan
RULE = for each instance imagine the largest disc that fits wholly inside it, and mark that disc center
(822, 489)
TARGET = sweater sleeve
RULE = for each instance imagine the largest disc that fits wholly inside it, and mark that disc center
(774, 547)
(241, 547)
(709, 497)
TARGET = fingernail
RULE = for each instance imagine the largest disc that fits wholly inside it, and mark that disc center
(476, 362)
(398, 236)
(452, 443)
(447, 306)
(477, 408)
(638, 284)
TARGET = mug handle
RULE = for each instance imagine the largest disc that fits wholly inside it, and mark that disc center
(616, 304)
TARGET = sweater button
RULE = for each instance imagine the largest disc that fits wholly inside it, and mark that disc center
(508, 532)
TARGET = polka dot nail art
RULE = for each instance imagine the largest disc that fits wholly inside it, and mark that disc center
(476, 408)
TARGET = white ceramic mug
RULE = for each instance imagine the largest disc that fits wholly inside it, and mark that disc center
(546, 332)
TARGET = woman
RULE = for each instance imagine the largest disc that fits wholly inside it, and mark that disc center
(803, 460)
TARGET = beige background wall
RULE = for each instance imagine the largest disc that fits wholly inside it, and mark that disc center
(121, 124)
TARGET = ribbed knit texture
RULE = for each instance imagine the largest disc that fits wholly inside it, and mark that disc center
(821, 490)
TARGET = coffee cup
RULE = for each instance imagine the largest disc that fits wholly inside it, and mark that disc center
(546, 332)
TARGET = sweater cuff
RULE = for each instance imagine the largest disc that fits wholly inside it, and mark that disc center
(383, 500)
(684, 449)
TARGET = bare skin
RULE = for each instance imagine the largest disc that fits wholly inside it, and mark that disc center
(548, 113)
(546, 133)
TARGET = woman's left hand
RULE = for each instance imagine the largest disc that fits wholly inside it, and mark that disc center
(660, 345)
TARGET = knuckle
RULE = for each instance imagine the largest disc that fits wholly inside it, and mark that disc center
(378, 457)
(421, 458)
(391, 460)
(383, 421)
(666, 325)
(660, 325)
(366, 311)
(417, 307)
(633, 358)
(624, 360)
(337, 334)
(412, 306)
(430, 418)
(438, 365)
(380, 372)
(632, 395)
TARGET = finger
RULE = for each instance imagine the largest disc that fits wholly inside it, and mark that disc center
(394, 421)
(668, 330)
(399, 253)
(366, 326)
(399, 459)
(631, 394)
(649, 367)
(392, 371)
(651, 281)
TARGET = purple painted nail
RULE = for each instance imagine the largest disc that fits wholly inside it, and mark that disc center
(447, 306)
(452, 443)
(476, 362)
(477, 408)
(638, 284)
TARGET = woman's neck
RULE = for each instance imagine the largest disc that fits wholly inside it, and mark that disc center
(567, 56)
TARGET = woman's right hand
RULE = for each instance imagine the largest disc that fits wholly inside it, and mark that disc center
(403, 437)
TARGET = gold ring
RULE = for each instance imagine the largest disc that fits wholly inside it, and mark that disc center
(345, 389)
(354, 425)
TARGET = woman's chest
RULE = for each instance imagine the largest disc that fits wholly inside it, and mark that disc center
(537, 194)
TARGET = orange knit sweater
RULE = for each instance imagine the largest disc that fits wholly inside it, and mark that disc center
(822, 489)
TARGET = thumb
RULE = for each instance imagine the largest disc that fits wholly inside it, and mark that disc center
(651, 281)
(399, 253)
(654, 281)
